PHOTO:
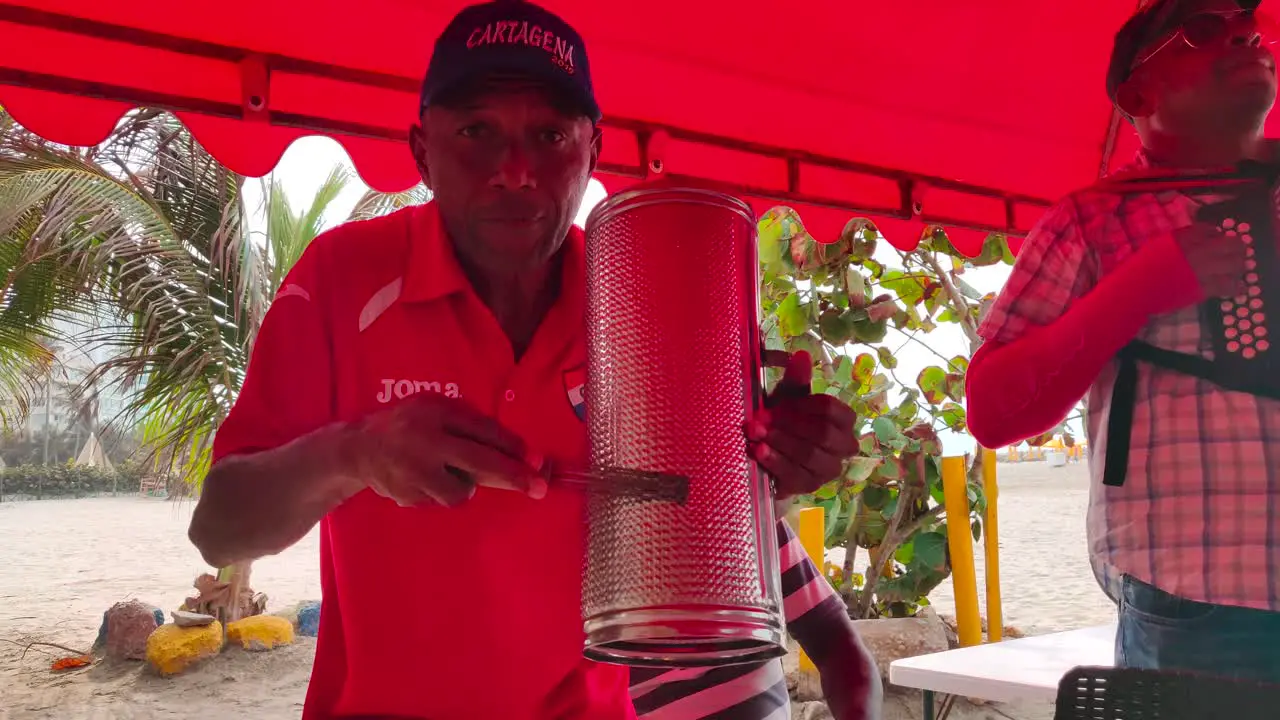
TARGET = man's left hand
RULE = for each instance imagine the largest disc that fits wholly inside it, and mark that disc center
(800, 438)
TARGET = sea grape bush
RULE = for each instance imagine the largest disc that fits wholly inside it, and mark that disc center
(836, 301)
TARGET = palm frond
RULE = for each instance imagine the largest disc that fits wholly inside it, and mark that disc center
(152, 224)
(289, 232)
(375, 204)
(151, 227)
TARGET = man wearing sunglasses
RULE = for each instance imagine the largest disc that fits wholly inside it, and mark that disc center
(1183, 525)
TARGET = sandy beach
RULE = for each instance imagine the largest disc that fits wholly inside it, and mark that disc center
(66, 561)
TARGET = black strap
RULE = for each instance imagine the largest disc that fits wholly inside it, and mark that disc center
(1124, 395)
(1202, 368)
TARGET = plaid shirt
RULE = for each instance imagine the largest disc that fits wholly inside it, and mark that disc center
(1199, 511)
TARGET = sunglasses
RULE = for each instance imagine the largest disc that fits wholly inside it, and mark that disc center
(1201, 30)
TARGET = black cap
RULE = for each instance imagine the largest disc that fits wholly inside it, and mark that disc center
(511, 37)
(1147, 26)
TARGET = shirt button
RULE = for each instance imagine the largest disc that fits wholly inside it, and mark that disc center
(511, 395)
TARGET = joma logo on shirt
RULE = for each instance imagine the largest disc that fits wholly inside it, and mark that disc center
(404, 388)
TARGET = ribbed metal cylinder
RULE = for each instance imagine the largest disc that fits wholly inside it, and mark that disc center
(673, 376)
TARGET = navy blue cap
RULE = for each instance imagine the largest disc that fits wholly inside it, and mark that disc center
(1153, 22)
(511, 37)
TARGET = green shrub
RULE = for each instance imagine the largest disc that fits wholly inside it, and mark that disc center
(67, 481)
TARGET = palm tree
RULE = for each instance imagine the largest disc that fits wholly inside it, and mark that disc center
(150, 227)
(150, 230)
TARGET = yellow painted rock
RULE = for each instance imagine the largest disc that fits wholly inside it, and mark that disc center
(260, 632)
(172, 649)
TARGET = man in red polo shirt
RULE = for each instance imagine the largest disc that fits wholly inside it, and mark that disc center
(412, 382)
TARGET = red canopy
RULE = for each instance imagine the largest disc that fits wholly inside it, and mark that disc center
(974, 115)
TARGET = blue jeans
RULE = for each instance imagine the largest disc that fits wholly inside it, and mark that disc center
(1159, 631)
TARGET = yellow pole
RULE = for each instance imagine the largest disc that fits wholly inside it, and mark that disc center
(813, 535)
(964, 575)
(991, 546)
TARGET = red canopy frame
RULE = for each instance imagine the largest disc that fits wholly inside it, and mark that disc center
(628, 141)
(249, 77)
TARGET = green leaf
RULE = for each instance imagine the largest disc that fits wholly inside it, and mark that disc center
(977, 530)
(770, 229)
(884, 429)
(878, 383)
(906, 552)
(891, 507)
(874, 268)
(835, 327)
(993, 251)
(953, 415)
(874, 497)
(792, 318)
(935, 239)
(773, 335)
(844, 370)
(867, 444)
(891, 469)
(862, 239)
(933, 476)
(864, 366)
(857, 286)
(887, 359)
(833, 516)
(967, 290)
(931, 550)
(811, 256)
(807, 342)
(910, 289)
(869, 332)
(908, 410)
(932, 382)
(860, 469)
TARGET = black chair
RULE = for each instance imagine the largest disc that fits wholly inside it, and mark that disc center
(1098, 693)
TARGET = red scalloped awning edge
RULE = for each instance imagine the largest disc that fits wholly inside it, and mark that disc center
(248, 148)
(254, 149)
(825, 224)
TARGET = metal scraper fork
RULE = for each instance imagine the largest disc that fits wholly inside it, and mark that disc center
(641, 484)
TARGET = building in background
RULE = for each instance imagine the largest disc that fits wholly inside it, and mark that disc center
(64, 412)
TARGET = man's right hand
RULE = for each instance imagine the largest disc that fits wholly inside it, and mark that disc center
(431, 449)
(1218, 261)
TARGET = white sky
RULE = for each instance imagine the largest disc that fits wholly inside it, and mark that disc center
(309, 160)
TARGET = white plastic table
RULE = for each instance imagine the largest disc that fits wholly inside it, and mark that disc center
(1024, 669)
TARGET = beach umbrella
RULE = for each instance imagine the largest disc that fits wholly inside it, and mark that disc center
(973, 116)
(92, 454)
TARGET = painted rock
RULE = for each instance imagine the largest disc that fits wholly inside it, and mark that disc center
(309, 619)
(182, 618)
(101, 642)
(129, 624)
(174, 648)
(260, 632)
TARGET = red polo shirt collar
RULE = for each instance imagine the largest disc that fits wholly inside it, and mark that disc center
(434, 272)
